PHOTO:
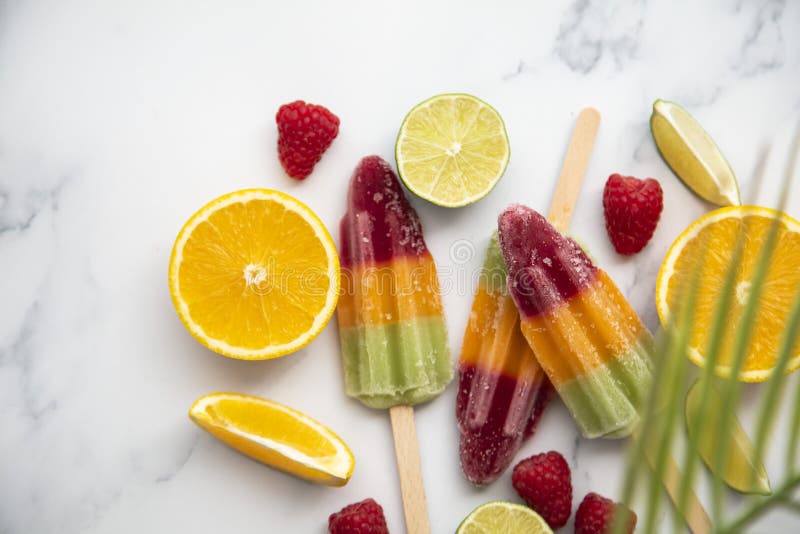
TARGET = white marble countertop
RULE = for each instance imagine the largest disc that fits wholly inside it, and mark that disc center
(119, 119)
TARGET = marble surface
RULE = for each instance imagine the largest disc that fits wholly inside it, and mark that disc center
(119, 119)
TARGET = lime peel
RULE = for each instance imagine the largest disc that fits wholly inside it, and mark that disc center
(692, 154)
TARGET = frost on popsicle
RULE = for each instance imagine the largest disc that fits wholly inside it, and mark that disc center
(391, 324)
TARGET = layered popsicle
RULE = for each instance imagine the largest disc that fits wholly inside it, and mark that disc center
(583, 331)
(391, 325)
(502, 390)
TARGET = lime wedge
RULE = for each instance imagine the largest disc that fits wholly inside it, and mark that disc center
(505, 517)
(692, 154)
(741, 472)
(452, 149)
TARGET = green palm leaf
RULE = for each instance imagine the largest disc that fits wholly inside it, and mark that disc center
(651, 453)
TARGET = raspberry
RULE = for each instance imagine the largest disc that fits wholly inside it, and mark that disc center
(305, 131)
(632, 208)
(365, 517)
(544, 482)
(595, 515)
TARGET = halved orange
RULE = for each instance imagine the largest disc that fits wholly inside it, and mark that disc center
(276, 435)
(709, 243)
(254, 275)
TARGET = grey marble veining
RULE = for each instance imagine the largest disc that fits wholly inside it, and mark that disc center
(762, 49)
(591, 29)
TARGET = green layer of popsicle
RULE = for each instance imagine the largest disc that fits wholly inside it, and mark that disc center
(604, 402)
(399, 363)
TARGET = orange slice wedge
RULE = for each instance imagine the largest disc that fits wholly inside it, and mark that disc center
(276, 435)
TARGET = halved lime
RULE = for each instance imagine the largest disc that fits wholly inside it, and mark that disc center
(452, 149)
(741, 472)
(692, 154)
(505, 517)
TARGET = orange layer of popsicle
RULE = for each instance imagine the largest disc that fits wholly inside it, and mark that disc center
(404, 288)
(607, 336)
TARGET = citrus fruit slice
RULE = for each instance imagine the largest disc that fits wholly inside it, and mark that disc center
(740, 471)
(254, 275)
(692, 154)
(709, 244)
(505, 517)
(452, 149)
(276, 435)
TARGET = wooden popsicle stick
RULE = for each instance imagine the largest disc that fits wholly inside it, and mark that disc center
(409, 468)
(561, 208)
(573, 169)
(695, 515)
